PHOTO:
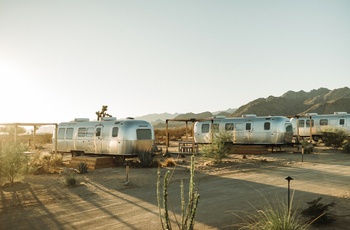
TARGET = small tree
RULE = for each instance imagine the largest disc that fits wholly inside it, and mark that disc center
(102, 113)
(13, 161)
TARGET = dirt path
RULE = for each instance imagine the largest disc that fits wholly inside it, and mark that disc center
(102, 200)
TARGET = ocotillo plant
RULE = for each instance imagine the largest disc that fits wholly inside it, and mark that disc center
(188, 212)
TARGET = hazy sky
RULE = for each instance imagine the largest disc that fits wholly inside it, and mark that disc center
(65, 59)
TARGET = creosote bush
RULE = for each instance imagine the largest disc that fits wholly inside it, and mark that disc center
(334, 137)
(13, 161)
(218, 148)
(45, 163)
(346, 147)
(146, 158)
(69, 177)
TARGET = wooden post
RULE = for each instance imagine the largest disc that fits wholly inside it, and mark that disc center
(167, 137)
(193, 138)
(34, 133)
(56, 136)
(186, 131)
(15, 133)
(310, 129)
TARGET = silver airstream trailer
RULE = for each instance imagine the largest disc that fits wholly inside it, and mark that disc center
(106, 137)
(248, 129)
(313, 124)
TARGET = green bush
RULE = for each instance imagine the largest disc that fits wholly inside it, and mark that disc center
(346, 147)
(218, 148)
(70, 179)
(146, 158)
(13, 161)
(334, 137)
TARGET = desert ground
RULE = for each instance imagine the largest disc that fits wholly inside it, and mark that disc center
(228, 191)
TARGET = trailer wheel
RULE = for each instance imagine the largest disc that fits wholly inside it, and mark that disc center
(146, 158)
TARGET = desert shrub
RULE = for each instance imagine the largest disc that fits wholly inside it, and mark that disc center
(13, 161)
(334, 137)
(168, 162)
(82, 168)
(146, 158)
(70, 179)
(272, 216)
(218, 148)
(42, 163)
(308, 147)
(346, 147)
(317, 212)
(188, 211)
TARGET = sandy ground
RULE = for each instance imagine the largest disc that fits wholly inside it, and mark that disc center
(101, 199)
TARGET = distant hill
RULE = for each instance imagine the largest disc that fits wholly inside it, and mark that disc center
(157, 117)
(322, 101)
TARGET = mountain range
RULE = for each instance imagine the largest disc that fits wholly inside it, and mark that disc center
(321, 101)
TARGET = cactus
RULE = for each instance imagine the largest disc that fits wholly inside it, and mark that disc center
(188, 212)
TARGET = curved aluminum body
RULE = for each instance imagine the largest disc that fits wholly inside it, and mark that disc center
(320, 123)
(266, 130)
(106, 137)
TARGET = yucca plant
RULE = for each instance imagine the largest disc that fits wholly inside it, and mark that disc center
(273, 217)
(82, 168)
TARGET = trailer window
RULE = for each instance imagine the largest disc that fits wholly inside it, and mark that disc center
(61, 132)
(115, 131)
(215, 128)
(144, 134)
(98, 132)
(267, 125)
(205, 128)
(301, 123)
(69, 133)
(308, 123)
(289, 128)
(248, 126)
(229, 127)
(90, 132)
(323, 122)
(342, 122)
(81, 132)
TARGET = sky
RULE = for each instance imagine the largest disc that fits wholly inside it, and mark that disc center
(63, 59)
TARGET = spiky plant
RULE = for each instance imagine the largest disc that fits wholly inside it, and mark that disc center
(188, 211)
(82, 168)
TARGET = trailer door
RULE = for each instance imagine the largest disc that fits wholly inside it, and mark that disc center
(98, 138)
(248, 134)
